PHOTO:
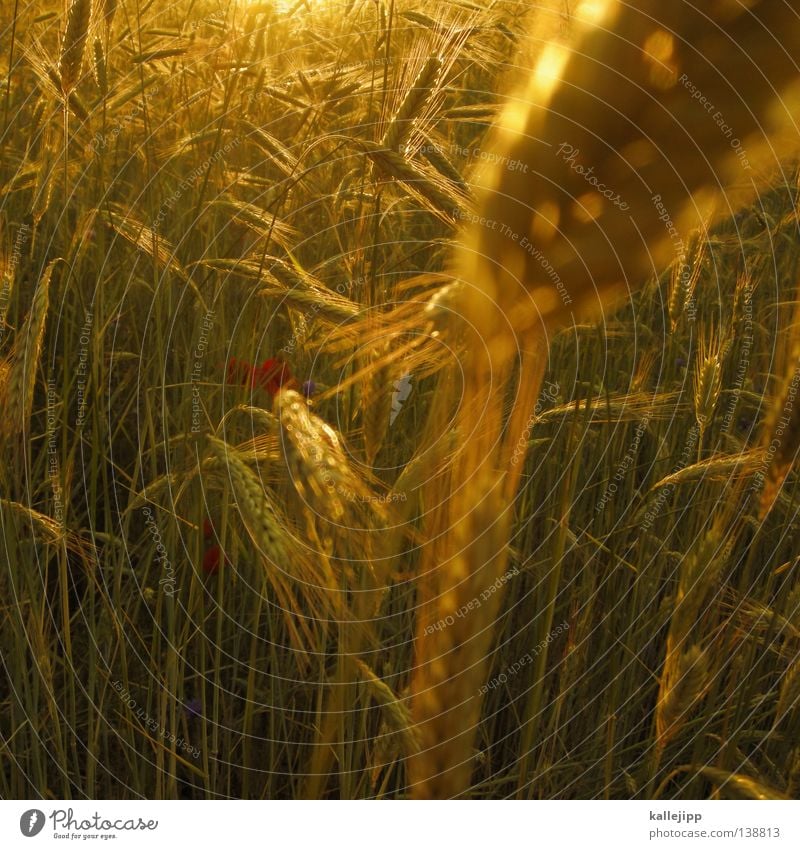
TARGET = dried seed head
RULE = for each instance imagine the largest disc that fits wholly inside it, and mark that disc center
(437, 157)
(109, 11)
(73, 44)
(257, 511)
(37, 119)
(397, 715)
(315, 457)
(25, 360)
(99, 66)
(707, 380)
(413, 105)
(45, 175)
(780, 436)
(683, 279)
(683, 686)
(433, 190)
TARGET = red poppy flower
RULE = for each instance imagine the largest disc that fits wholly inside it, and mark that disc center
(208, 529)
(212, 560)
(271, 376)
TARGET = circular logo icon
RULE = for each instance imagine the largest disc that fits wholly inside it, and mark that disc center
(31, 822)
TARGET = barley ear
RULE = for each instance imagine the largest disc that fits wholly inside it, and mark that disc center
(259, 515)
(397, 715)
(684, 274)
(99, 66)
(45, 176)
(73, 45)
(25, 359)
(781, 434)
(109, 11)
(683, 683)
(316, 459)
(413, 105)
(707, 381)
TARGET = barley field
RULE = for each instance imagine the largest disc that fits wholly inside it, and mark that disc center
(339, 459)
